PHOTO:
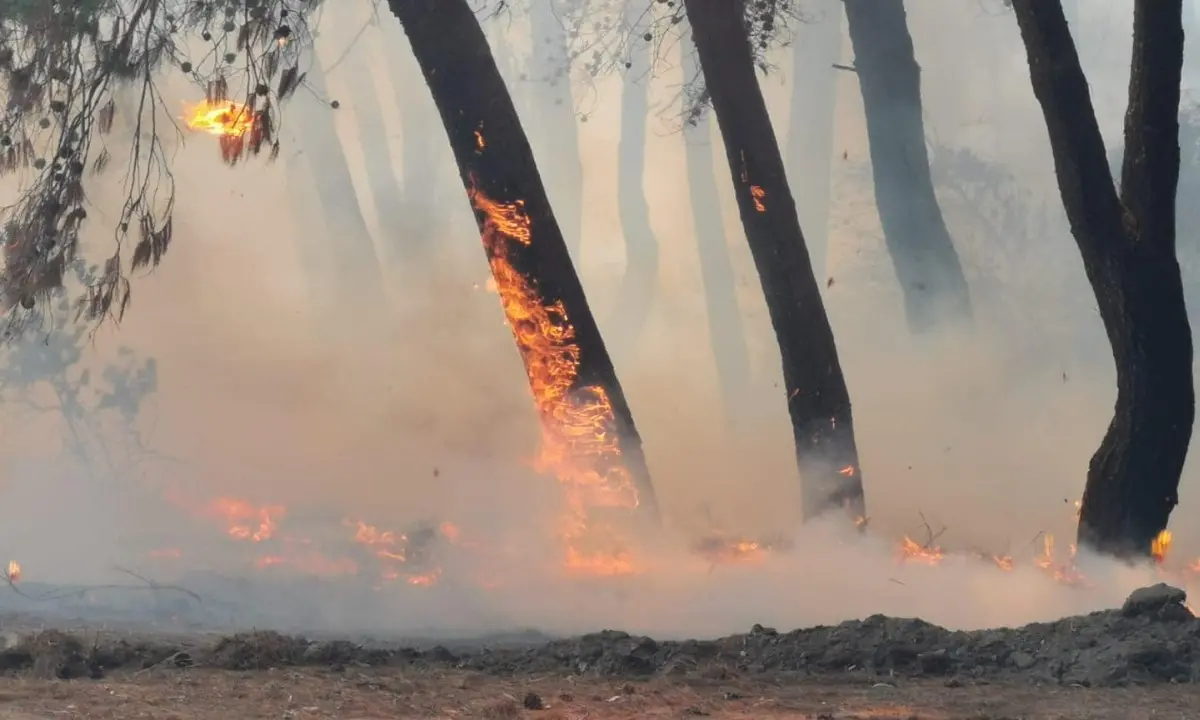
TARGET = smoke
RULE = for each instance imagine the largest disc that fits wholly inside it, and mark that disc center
(278, 385)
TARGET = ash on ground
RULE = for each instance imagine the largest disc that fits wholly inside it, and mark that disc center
(1152, 638)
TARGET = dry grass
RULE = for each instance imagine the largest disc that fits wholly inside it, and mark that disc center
(368, 694)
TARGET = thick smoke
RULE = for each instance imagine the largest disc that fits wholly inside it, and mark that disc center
(281, 383)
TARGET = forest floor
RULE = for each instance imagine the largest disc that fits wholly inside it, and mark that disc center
(1141, 661)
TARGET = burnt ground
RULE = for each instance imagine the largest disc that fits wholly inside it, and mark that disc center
(1142, 660)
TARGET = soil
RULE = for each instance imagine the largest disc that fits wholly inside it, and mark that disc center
(1142, 660)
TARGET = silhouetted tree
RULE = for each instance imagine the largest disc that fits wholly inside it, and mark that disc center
(1127, 241)
(818, 401)
(927, 265)
(496, 163)
(640, 281)
(726, 332)
(816, 47)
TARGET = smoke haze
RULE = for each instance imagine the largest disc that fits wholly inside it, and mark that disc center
(280, 381)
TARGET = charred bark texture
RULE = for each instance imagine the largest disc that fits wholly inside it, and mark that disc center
(471, 97)
(726, 332)
(927, 265)
(818, 401)
(1127, 242)
(557, 141)
(817, 46)
(639, 284)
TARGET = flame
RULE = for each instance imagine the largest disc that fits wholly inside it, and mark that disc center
(1160, 546)
(166, 553)
(14, 571)
(579, 446)
(245, 521)
(1064, 571)
(1004, 562)
(757, 194)
(912, 551)
(222, 118)
(480, 141)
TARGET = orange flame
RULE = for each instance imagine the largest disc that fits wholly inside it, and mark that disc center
(757, 194)
(913, 551)
(1160, 546)
(222, 118)
(579, 445)
(14, 571)
(245, 521)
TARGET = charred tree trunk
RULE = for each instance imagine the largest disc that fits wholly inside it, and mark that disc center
(727, 335)
(495, 161)
(349, 252)
(927, 265)
(557, 134)
(640, 281)
(817, 46)
(1127, 242)
(818, 401)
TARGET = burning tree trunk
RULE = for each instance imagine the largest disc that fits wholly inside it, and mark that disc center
(639, 284)
(557, 135)
(817, 46)
(818, 401)
(589, 438)
(1127, 242)
(914, 230)
(727, 336)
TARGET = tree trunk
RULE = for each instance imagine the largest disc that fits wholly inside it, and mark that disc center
(640, 281)
(727, 335)
(570, 372)
(349, 251)
(815, 49)
(818, 401)
(1127, 242)
(556, 138)
(927, 265)
(381, 173)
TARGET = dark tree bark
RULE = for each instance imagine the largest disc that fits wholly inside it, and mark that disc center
(818, 401)
(817, 46)
(927, 265)
(639, 284)
(1127, 242)
(350, 258)
(556, 138)
(726, 332)
(495, 161)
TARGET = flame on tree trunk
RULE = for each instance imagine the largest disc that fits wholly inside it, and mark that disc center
(727, 335)
(818, 401)
(588, 436)
(1127, 242)
(640, 281)
(816, 47)
(927, 265)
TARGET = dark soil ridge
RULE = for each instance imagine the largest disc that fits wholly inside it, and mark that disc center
(1153, 638)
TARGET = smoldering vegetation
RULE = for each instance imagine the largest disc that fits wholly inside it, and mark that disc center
(327, 356)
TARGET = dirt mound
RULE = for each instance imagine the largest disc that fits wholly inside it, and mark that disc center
(1152, 638)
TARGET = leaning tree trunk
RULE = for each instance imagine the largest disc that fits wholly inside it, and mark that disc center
(1127, 242)
(557, 133)
(815, 49)
(818, 401)
(726, 333)
(584, 413)
(927, 265)
(640, 281)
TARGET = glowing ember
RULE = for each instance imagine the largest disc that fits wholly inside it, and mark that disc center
(757, 194)
(223, 118)
(1160, 546)
(14, 571)
(579, 444)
